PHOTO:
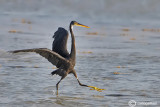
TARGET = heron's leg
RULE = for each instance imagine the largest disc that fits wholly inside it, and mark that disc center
(60, 81)
(81, 83)
(74, 73)
(92, 87)
(57, 85)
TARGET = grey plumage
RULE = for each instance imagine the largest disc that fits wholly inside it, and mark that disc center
(60, 47)
(50, 55)
(59, 55)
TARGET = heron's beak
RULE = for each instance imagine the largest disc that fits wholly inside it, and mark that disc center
(78, 24)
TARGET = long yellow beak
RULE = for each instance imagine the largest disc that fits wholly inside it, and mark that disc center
(78, 24)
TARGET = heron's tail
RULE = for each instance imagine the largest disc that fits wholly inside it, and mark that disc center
(59, 72)
(54, 72)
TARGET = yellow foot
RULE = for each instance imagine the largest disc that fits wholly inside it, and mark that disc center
(96, 88)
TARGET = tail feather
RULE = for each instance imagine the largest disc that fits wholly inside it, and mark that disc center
(59, 72)
(54, 72)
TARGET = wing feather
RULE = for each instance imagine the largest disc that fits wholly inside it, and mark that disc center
(50, 55)
(60, 42)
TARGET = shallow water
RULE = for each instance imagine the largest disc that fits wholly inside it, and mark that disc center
(119, 56)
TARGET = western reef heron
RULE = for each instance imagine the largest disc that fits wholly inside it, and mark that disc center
(59, 56)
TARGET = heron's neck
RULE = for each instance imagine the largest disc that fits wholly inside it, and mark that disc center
(73, 48)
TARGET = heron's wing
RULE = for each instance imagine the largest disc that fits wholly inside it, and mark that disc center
(50, 55)
(60, 42)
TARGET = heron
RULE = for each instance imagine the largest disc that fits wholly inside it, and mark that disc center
(59, 55)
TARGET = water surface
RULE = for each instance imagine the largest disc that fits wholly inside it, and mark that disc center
(121, 56)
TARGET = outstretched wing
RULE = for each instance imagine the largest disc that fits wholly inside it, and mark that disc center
(51, 56)
(60, 42)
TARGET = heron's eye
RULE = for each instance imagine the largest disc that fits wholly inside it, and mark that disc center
(75, 23)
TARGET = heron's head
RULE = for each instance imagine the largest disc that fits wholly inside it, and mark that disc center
(78, 24)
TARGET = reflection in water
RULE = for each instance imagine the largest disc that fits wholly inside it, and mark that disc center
(69, 101)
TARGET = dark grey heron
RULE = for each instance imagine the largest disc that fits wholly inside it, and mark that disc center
(59, 56)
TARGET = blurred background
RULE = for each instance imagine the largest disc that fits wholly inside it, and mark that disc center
(122, 11)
